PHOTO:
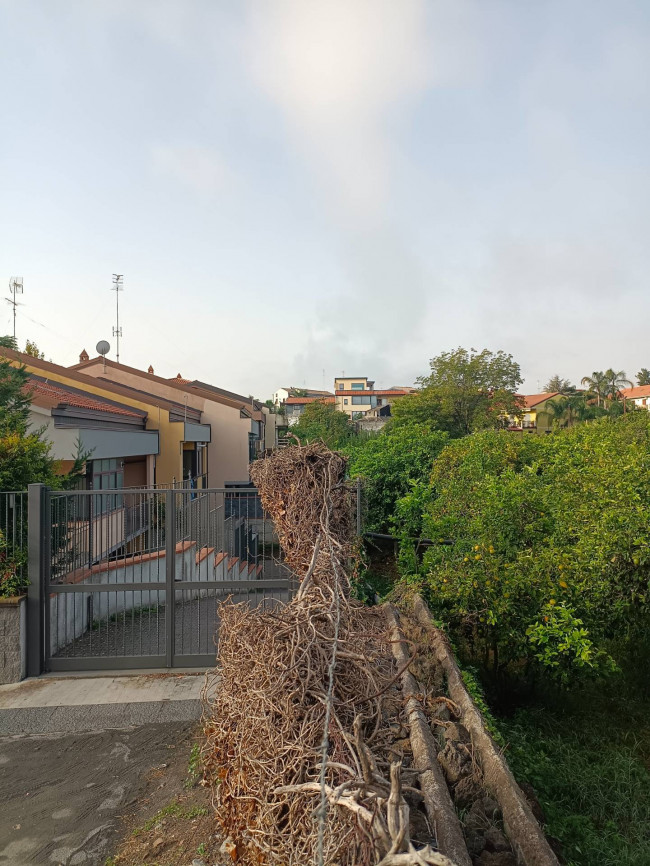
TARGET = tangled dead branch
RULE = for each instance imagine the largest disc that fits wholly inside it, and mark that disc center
(299, 747)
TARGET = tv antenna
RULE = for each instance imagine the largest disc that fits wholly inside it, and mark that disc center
(16, 288)
(118, 286)
(103, 348)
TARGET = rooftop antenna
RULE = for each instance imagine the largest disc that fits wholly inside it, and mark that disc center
(118, 286)
(103, 348)
(16, 288)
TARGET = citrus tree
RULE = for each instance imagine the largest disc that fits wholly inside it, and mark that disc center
(546, 556)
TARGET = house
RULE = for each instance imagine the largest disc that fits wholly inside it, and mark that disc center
(639, 395)
(295, 406)
(121, 450)
(359, 399)
(232, 430)
(534, 416)
(178, 425)
(282, 394)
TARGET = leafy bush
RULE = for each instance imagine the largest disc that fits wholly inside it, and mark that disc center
(550, 544)
(321, 420)
(11, 582)
(390, 465)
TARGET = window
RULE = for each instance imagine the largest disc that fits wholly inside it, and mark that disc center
(107, 475)
(341, 386)
(360, 401)
(345, 401)
(357, 386)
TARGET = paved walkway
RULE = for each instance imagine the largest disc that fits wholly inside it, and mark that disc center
(65, 704)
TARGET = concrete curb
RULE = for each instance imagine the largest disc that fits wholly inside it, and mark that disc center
(95, 717)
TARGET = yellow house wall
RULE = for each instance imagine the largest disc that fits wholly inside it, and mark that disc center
(349, 409)
(228, 450)
(347, 383)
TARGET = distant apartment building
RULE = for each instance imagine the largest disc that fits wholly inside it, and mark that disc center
(356, 396)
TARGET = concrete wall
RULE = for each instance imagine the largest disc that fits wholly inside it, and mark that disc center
(13, 640)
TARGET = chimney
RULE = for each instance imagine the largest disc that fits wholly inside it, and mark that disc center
(84, 356)
(150, 370)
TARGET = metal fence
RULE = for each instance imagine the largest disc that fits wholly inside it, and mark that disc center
(13, 532)
(132, 578)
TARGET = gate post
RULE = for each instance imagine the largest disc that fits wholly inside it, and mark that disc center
(170, 574)
(37, 526)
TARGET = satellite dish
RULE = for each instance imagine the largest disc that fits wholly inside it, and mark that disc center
(103, 348)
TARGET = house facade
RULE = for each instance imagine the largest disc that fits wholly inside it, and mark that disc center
(359, 399)
(177, 425)
(121, 451)
(534, 416)
(639, 395)
(232, 428)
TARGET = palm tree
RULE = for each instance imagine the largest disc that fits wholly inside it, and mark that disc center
(615, 381)
(556, 410)
(597, 384)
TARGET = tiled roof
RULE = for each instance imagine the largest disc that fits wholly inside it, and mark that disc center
(300, 401)
(81, 401)
(530, 400)
(394, 392)
(636, 392)
(309, 392)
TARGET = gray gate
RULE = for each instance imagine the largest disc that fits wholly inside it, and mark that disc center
(132, 578)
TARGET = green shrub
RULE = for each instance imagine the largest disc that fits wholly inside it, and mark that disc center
(549, 553)
(390, 464)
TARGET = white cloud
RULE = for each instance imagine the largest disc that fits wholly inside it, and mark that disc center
(345, 73)
(200, 169)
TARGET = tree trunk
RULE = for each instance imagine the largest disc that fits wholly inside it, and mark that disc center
(437, 800)
(526, 836)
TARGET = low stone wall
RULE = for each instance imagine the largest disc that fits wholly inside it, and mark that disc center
(13, 640)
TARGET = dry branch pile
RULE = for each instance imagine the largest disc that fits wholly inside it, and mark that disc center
(300, 745)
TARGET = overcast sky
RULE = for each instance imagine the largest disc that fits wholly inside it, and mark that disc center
(296, 189)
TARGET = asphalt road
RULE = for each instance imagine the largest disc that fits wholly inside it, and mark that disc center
(62, 795)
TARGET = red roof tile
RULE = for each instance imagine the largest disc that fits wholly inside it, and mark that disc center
(530, 400)
(300, 401)
(80, 401)
(636, 392)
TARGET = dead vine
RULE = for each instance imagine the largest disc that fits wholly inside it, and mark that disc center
(299, 735)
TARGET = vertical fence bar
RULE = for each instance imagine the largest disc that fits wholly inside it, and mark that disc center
(37, 526)
(170, 567)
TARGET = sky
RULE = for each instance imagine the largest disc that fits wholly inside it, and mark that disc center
(295, 189)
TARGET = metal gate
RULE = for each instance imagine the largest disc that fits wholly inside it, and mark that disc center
(132, 578)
